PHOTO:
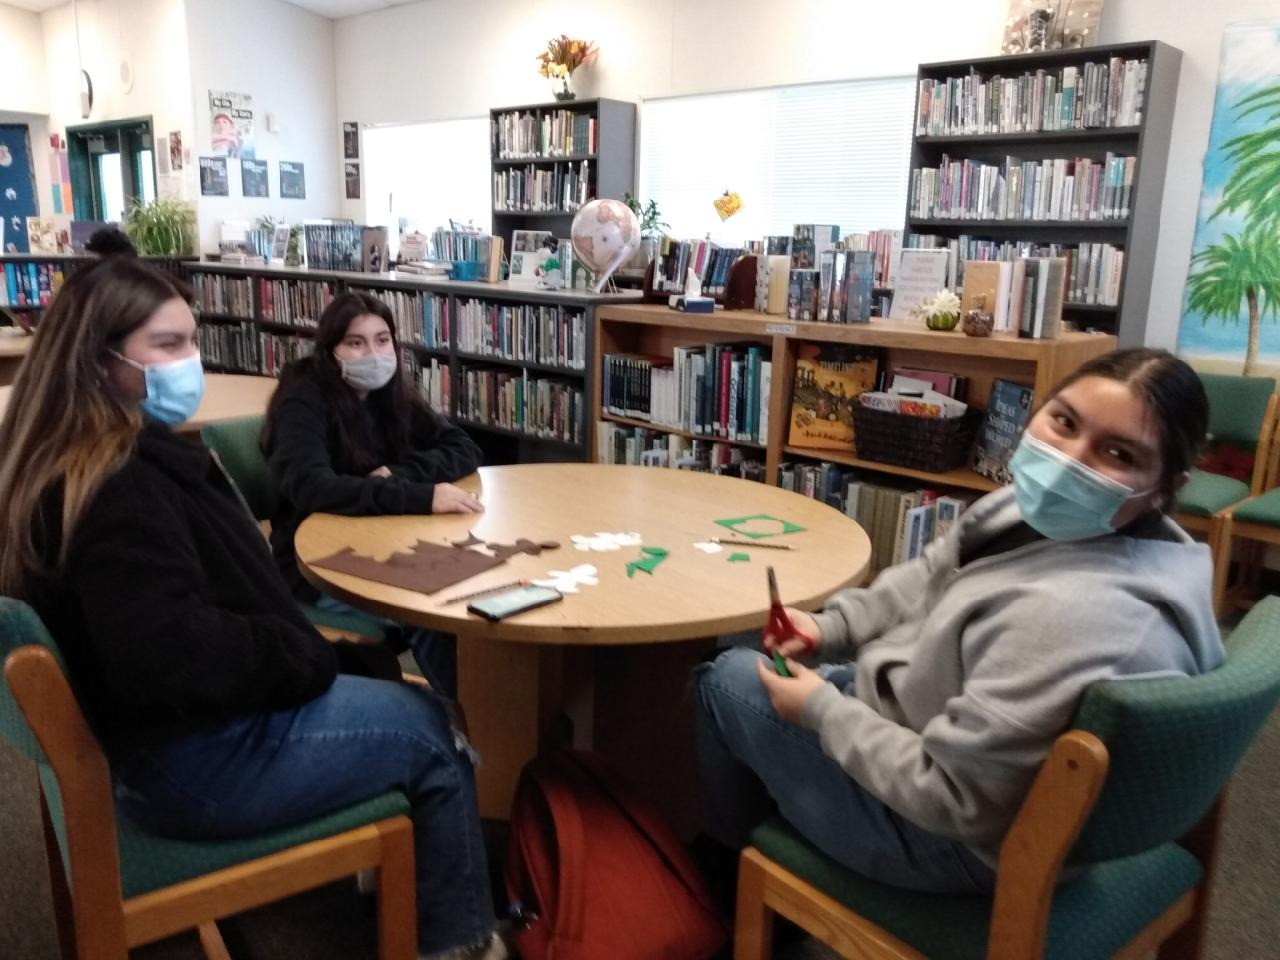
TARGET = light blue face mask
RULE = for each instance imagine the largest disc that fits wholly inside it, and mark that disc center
(1060, 497)
(174, 390)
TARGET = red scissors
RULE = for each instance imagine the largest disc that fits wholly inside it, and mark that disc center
(781, 627)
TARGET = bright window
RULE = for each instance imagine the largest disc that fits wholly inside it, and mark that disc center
(818, 153)
(427, 174)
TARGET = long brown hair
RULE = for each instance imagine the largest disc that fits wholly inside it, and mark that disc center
(66, 425)
(397, 406)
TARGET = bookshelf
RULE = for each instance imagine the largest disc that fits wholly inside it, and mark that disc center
(515, 340)
(29, 280)
(527, 169)
(1147, 141)
(655, 330)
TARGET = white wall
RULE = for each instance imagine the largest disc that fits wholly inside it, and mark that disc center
(446, 59)
(22, 62)
(282, 56)
(149, 37)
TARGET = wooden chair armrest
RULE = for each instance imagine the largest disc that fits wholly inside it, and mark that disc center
(1031, 857)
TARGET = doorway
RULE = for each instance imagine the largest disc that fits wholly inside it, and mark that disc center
(112, 166)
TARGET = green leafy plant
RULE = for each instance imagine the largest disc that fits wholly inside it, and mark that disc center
(650, 217)
(162, 228)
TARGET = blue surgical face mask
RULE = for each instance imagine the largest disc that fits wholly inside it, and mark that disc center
(1060, 497)
(174, 390)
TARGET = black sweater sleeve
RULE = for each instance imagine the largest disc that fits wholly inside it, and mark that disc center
(164, 649)
(442, 452)
(304, 474)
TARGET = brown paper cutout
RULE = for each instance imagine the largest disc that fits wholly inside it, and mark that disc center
(505, 551)
(471, 541)
(425, 568)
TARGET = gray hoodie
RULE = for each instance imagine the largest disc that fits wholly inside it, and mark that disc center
(966, 676)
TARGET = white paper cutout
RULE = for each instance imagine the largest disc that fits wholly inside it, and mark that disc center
(568, 581)
(709, 547)
(603, 542)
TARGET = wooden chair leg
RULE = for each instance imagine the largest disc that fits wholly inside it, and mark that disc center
(63, 916)
(211, 941)
(397, 894)
(1220, 547)
(753, 927)
(1203, 842)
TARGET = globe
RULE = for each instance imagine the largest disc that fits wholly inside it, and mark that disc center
(605, 234)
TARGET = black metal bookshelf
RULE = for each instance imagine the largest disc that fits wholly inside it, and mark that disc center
(1148, 141)
(611, 165)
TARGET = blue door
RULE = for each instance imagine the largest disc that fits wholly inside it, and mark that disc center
(17, 186)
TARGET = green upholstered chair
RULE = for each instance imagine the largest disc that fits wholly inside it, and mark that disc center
(1242, 414)
(236, 444)
(116, 886)
(1129, 798)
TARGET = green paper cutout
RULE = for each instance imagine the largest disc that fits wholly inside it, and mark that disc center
(652, 557)
(734, 522)
(739, 558)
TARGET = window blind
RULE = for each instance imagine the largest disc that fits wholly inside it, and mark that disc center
(817, 153)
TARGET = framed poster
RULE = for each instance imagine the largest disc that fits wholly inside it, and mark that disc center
(231, 123)
(351, 174)
(253, 178)
(293, 181)
(350, 140)
(213, 177)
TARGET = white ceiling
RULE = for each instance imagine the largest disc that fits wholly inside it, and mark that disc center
(36, 5)
(334, 9)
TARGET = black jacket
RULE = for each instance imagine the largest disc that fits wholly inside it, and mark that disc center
(313, 475)
(170, 611)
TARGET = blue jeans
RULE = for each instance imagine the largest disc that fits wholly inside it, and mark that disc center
(359, 739)
(754, 764)
(435, 652)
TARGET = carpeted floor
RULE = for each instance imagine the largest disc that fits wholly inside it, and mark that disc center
(336, 922)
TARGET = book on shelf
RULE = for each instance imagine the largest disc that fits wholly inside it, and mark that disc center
(885, 247)
(563, 188)
(1042, 297)
(30, 283)
(994, 287)
(809, 241)
(710, 263)
(548, 334)
(294, 303)
(373, 248)
(828, 380)
(432, 379)
(843, 293)
(519, 401)
(224, 294)
(772, 282)
(639, 446)
(247, 348)
(1008, 410)
(421, 318)
(1075, 97)
(950, 384)
(543, 134)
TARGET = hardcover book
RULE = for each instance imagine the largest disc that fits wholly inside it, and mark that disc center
(829, 379)
(1008, 411)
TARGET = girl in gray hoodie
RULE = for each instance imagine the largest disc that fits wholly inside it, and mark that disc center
(957, 670)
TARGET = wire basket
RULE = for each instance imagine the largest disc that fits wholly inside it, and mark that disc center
(936, 444)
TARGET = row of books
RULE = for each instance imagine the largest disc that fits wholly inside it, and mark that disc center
(246, 348)
(1052, 189)
(546, 334)
(717, 389)
(1024, 296)
(639, 446)
(885, 247)
(1074, 97)
(514, 400)
(709, 262)
(433, 380)
(463, 243)
(295, 303)
(344, 246)
(562, 188)
(421, 318)
(556, 133)
(219, 293)
(31, 284)
(839, 291)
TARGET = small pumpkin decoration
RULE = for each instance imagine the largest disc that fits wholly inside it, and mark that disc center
(978, 322)
(941, 311)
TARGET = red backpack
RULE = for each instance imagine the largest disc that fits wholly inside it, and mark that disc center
(603, 872)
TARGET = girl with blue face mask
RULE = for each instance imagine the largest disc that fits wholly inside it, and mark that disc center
(222, 712)
(921, 707)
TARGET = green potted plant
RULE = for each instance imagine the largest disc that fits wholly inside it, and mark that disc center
(161, 228)
(651, 227)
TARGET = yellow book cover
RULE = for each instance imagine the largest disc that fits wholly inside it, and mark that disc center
(829, 379)
(981, 286)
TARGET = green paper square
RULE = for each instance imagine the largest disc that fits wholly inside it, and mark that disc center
(739, 558)
(733, 523)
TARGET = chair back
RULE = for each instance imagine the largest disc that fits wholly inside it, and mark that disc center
(236, 442)
(1237, 408)
(20, 627)
(1174, 742)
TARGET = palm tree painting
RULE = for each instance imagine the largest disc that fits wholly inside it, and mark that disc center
(1234, 282)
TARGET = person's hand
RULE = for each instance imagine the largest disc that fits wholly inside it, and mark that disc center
(795, 646)
(788, 694)
(382, 471)
(450, 498)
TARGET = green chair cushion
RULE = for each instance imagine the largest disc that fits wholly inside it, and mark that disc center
(1094, 914)
(149, 862)
(1237, 407)
(1264, 509)
(1207, 493)
(236, 442)
(353, 622)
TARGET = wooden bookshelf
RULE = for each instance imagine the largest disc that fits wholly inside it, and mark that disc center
(611, 166)
(1148, 141)
(655, 329)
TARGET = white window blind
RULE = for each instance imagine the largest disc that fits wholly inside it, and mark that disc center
(817, 153)
(427, 174)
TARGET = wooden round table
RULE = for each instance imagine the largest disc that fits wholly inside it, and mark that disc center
(601, 656)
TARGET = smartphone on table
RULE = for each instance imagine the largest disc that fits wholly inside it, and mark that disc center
(508, 604)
